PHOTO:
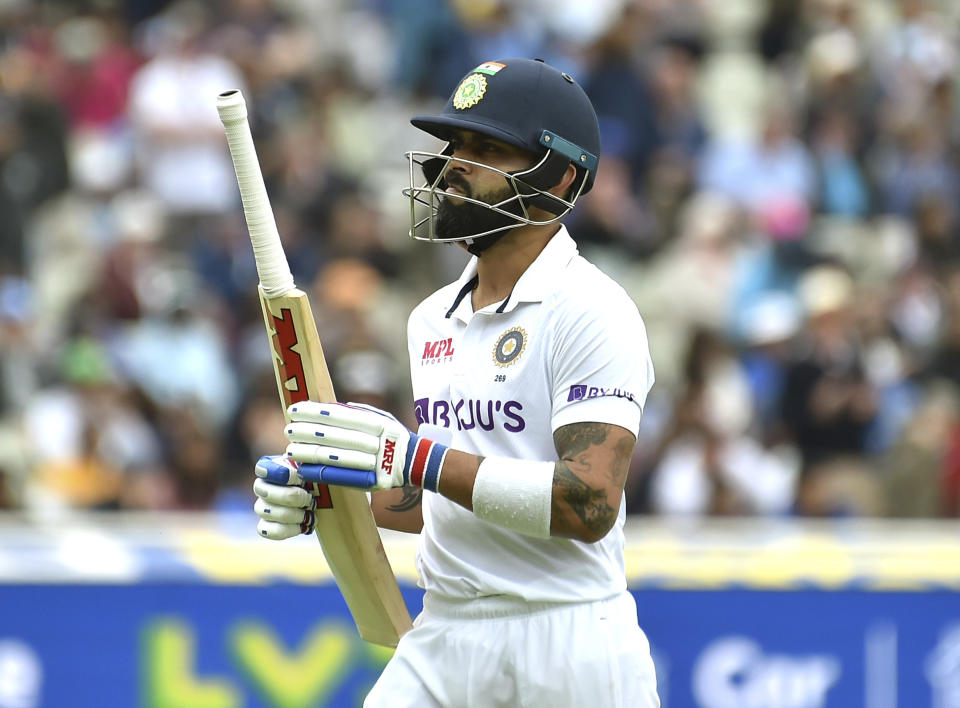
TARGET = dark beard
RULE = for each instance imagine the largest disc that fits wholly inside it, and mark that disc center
(457, 221)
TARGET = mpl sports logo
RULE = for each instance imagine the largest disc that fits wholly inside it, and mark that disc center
(580, 392)
(438, 351)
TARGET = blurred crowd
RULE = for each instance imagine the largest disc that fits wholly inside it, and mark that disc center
(778, 192)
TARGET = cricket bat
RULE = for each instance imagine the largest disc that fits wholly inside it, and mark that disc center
(344, 523)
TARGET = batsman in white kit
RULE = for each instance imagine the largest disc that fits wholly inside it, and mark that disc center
(529, 376)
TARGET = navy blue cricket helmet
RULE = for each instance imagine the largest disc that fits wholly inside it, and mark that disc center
(526, 103)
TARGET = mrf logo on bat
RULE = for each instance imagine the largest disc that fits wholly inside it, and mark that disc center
(284, 338)
(290, 368)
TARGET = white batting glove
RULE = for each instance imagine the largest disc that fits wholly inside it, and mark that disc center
(355, 445)
(285, 508)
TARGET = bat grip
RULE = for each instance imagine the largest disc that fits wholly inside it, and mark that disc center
(272, 266)
(340, 476)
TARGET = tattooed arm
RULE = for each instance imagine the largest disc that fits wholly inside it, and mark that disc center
(398, 509)
(588, 479)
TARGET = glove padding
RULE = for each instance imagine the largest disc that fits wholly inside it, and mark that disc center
(285, 509)
(349, 444)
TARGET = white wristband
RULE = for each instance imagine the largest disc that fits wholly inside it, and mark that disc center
(516, 494)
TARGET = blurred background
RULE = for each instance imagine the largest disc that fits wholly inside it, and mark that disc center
(779, 192)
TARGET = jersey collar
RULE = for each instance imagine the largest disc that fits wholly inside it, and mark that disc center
(537, 281)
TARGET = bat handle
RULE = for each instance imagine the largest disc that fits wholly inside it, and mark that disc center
(272, 266)
(340, 476)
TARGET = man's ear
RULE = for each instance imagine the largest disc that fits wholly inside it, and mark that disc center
(562, 188)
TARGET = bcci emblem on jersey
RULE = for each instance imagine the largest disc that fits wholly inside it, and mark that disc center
(510, 346)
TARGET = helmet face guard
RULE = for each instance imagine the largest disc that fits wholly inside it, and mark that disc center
(529, 189)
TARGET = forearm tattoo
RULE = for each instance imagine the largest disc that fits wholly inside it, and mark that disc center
(589, 504)
(410, 500)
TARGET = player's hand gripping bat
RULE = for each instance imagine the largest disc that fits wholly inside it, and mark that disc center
(344, 522)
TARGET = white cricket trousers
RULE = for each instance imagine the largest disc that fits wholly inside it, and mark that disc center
(501, 653)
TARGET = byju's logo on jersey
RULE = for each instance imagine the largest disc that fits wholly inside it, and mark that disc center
(437, 351)
(509, 347)
(582, 391)
(467, 414)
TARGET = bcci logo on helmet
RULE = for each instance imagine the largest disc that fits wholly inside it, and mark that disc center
(470, 91)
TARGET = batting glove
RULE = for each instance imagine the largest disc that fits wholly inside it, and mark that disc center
(285, 508)
(356, 445)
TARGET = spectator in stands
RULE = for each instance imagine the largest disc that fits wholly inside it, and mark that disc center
(771, 168)
(828, 403)
(917, 478)
(621, 92)
(681, 132)
(178, 133)
(97, 63)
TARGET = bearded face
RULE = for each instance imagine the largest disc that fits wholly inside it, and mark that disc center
(457, 219)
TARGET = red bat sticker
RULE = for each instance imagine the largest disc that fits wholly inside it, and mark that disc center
(291, 366)
(294, 380)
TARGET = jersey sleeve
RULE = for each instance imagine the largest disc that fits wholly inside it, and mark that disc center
(602, 370)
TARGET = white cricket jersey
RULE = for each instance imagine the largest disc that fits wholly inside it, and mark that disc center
(567, 346)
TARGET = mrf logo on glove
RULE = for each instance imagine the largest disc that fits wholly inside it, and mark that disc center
(389, 447)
